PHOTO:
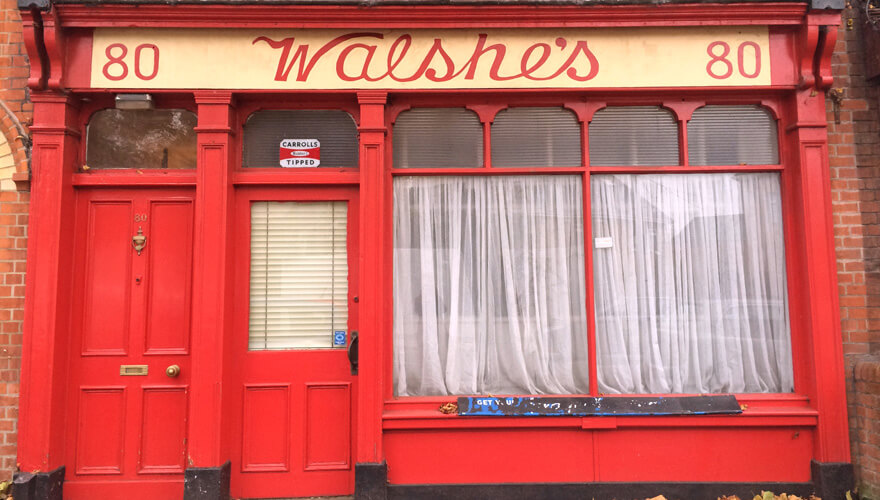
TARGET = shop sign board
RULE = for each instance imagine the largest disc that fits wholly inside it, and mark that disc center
(300, 153)
(140, 58)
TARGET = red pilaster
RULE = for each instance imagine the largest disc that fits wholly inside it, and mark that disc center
(374, 305)
(212, 279)
(817, 311)
(44, 356)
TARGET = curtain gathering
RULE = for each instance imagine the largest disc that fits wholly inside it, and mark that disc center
(489, 287)
(691, 297)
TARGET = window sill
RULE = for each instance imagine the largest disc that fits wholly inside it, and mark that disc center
(759, 410)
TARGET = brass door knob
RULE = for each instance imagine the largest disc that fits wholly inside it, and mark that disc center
(172, 371)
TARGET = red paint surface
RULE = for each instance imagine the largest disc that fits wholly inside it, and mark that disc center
(129, 428)
(419, 444)
(292, 412)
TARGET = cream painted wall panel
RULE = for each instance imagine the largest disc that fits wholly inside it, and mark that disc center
(430, 59)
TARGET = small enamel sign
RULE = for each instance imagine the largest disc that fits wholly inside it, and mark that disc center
(298, 153)
(339, 338)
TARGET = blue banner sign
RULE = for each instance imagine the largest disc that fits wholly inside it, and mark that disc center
(597, 406)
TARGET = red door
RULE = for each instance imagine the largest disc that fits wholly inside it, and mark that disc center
(295, 314)
(129, 365)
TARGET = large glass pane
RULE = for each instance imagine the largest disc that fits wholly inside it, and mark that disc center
(633, 136)
(142, 139)
(732, 135)
(438, 138)
(271, 138)
(299, 274)
(536, 137)
(489, 291)
(690, 285)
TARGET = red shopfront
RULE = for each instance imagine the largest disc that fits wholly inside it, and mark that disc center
(269, 242)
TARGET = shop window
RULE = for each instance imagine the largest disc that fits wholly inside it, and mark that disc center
(536, 137)
(633, 136)
(141, 139)
(489, 287)
(298, 275)
(732, 135)
(438, 138)
(690, 285)
(300, 138)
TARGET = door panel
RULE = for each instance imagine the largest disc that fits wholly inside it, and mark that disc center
(294, 427)
(131, 313)
(107, 294)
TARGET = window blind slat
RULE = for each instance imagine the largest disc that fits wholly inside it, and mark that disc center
(299, 274)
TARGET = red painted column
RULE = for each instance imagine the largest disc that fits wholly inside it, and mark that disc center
(374, 303)
(49, 260)
(809, 201)
(212, 279)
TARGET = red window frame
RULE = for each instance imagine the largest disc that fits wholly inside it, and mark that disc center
(584, 106)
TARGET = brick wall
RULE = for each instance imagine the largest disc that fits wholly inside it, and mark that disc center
(13, 225)
(854, 150)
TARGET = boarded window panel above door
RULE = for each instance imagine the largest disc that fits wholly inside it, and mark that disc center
(141, 139)
(299, 274)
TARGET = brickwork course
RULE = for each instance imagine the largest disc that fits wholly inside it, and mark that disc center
(14, 71)
(854, 149)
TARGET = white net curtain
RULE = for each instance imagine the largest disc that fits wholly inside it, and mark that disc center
(691, 295)
(489, 291)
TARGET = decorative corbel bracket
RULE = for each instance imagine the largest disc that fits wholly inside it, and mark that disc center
(816, 45)
(44, 43)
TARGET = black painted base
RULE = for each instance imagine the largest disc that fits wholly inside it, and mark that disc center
(832, 480)
(206, 483)
(38, 486)
(371, 481)
(595, 491)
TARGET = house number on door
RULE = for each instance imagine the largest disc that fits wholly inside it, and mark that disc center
(140, 217)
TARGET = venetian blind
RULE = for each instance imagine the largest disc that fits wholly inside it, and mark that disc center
(437, 138)
(732, 135)
(299, 274)
(335, 129)
(536, 137)
(633, 136)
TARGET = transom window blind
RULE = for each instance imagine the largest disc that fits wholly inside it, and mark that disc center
(334, 129)
(438, 138)
(536, 137)
(633, 136)
(299, 274)
(732, 135)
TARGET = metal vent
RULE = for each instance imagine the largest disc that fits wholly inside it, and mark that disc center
(732, 135)
(536, 137)
(438, 138)
(633, 136)
(336, 131)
